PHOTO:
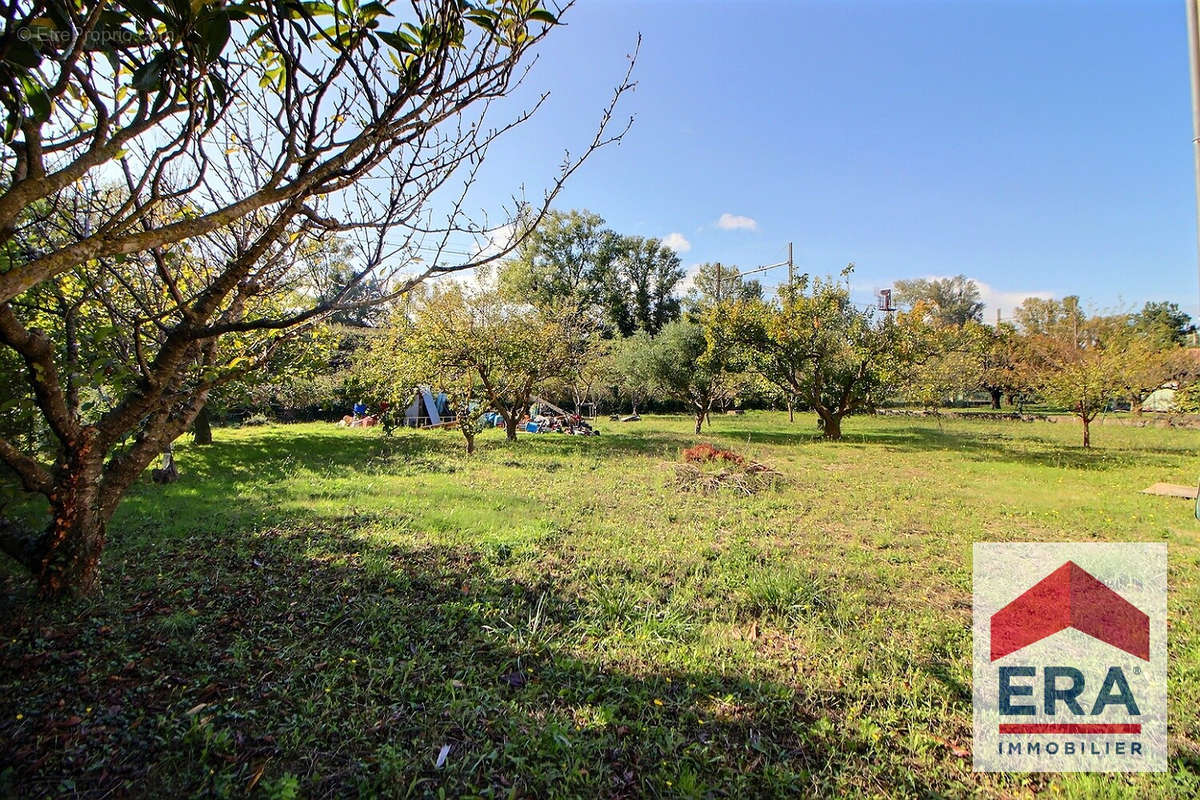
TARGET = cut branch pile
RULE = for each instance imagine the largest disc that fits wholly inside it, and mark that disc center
(707, 469)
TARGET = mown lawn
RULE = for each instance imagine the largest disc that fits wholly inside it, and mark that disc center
(314, 611)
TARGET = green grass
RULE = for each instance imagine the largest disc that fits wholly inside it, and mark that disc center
(317, 610)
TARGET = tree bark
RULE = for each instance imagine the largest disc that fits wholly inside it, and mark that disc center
(699, 421)
(995, 393)
(510, 428)
(65, 558)
(202, 428)
(832, 427)
(791, 411)
(1087, 434)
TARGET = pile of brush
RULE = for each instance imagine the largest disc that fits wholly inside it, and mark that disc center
(708, 469)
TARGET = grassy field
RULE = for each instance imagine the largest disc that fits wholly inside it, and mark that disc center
(314, 611)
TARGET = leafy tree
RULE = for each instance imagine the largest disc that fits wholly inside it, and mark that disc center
(1153, 359)
(1038, 317)
(633, 368)
(951, 301)
(224, 194)
(1083, 367)
(566, 259)
(680, 364)
(1001, 363)
(1165, 323)
(733, 286)
(645, 274)
(814, 343)
(477, 345)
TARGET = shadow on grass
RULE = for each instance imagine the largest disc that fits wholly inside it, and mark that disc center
(344, 665)
(979, 446)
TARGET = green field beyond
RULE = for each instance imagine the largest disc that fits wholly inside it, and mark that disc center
(315, 611)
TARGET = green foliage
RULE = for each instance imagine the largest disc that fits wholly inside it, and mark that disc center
(733, 287)
(477, 347)
(1083, 367)
(642, 296)
(567, 259)
(633, 368)
(813, 343)
(623, 283)
(680, 364)
(1041, 317)
(178, 51)
(1164, 323)
(949, 301)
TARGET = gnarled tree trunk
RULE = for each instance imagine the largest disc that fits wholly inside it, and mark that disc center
(65, 557)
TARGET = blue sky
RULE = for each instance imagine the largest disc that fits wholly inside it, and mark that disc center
(1038, 147)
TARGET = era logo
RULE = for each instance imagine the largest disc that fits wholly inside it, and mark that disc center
(1070, 657)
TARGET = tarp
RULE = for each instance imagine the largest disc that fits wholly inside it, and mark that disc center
(425, 410)
(431, 406)
(1160, 400)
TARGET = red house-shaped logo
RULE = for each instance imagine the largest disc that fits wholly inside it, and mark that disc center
(1070, 598)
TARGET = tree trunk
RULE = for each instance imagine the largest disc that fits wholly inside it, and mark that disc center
(995, 393)
(831, 427)
(791, 411)
(470, 437)
(66, 558)
(202, 428)
(1087, 434)
(699, 421)
(510, 428)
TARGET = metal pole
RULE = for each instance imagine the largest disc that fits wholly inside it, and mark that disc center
(1194, 59)
(718, 283)
(791, 268)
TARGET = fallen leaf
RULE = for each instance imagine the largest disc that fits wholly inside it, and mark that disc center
(258, 773)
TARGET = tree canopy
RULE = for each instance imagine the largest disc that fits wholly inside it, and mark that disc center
(952, 301)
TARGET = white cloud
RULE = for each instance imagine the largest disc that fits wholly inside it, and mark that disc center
(689, 280)
(735, 222)
(677, 242)
(1006, 301)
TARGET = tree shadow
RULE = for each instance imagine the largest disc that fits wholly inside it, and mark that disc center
(975, 445)
(348, 663)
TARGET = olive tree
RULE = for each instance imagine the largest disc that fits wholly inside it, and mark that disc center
(679, 364)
